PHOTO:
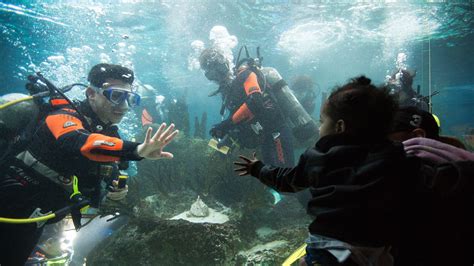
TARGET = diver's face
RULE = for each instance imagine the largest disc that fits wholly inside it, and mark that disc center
(216, 72)
(106, 110)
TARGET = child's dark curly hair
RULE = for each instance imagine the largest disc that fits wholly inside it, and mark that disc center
(367, 110)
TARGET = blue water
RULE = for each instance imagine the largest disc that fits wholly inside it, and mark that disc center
(329, 42)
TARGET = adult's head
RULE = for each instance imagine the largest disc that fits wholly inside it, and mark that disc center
(359, 109)
(302, 84)
(215, 65)
(411, 122)
(303, 87)
(110, 92)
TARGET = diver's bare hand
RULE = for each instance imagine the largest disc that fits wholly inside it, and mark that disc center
(245, 164)
(152, 147)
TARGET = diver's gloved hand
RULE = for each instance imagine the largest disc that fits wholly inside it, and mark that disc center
(220, 130)
(436, 151)
(117, 193)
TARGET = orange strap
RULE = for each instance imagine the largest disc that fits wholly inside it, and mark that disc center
(242, 114)
(61, 124)
(251, 84)
(279, 148)
(146, 118)
(59, 101)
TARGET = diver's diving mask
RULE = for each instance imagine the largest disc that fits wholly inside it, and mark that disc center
(118, 95)
(216, 71)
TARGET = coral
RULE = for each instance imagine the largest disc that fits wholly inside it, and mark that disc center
(198, 168)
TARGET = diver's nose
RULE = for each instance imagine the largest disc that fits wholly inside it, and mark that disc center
(123, 106)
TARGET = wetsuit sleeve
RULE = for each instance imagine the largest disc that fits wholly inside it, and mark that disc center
(73, 139)
(253, 104)
(284, 179)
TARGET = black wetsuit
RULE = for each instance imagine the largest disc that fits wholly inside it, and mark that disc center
(69, 145)
(248, 104)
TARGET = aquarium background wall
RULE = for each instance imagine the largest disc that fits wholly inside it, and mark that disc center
(329, 41)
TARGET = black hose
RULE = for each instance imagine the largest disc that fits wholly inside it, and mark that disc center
(53, 89)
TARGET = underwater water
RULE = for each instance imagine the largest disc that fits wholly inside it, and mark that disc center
(329, 41)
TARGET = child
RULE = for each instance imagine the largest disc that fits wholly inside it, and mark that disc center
(357, 177)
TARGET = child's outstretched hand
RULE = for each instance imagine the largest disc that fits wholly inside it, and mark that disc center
(245, 165)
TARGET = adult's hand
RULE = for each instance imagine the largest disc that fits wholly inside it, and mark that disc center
(221, 129)
(245, 165)
(152, 147)
(117, 193)
(436, 151)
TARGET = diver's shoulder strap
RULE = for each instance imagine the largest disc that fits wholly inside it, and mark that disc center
(30, 161)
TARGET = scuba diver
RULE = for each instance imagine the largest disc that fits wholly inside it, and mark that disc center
(401, 83)
(262, 110)
(153, 109)
(303, 87)
(64, 161)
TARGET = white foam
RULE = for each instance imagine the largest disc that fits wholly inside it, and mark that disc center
(306, 40)
(223, 42)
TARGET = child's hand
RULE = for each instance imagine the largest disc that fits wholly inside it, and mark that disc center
(245, 165)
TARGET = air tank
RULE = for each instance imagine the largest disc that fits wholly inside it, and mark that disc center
(16, 117)
(301, 123)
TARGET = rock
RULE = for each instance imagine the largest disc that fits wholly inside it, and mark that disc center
(169, 242)
(263, 254)
(161, 207)
(264, 232)
(199, 209)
